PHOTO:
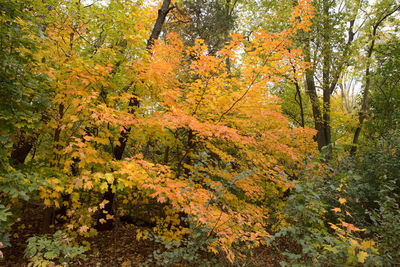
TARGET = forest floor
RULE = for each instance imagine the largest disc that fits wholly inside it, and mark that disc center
(129, 250)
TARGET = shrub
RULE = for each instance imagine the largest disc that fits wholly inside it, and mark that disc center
(48, 251)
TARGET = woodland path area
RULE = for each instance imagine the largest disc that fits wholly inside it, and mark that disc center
(128, 253)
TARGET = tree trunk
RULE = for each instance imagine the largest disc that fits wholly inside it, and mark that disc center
(312, 94)
(326, 72)
(21, 148)
(364, 105)
(162, 14)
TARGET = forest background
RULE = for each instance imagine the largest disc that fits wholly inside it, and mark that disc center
(223, 132)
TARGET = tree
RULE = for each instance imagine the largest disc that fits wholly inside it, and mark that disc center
(23, 92)
(389, 8)
(211, 21)
(326, 42)
(130, 123)
(23, 97)
(328, 47)
(384, 94)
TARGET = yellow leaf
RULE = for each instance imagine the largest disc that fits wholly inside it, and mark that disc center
(354, 242)
(368, 244)
(213, 249)
(138, 235)
(342, 200)
(88, 185)
(58, 188)
(336, 210)
(103, 203)
(103, 186)
(362, 256)
(54, 181)
(109, 177)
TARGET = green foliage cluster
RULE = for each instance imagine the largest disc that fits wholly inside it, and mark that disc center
(49, 251)
(22, 93)
(5, 224)
(361, 190)
(374, 187)
(211, 21)
(319, 235)
(385, 98)
(192, 249)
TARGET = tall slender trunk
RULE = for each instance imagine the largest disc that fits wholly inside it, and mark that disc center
(312, 94)
(298, 94)
(330, 76)
(365, 104)
(326, 72)
(300, 102)
(162, 14)
(49, 212)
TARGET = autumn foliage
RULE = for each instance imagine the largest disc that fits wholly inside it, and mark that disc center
(168, 134)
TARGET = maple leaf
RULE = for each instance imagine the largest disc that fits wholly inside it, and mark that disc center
(103, 203)
(362, 255)
(161, 199)
(47, 202)
(350, 227)
(336, 210)
(83, 229)
(88, 185)
(334, 227)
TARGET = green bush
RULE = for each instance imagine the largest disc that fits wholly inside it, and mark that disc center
(374, 190)
(47, 251)
(192, 249)
(322, 237)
